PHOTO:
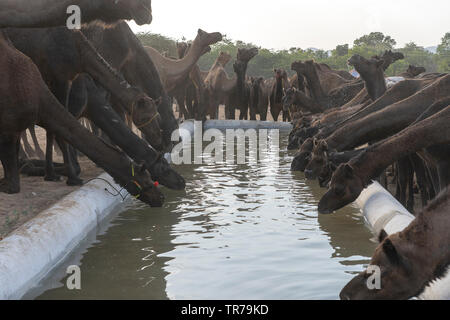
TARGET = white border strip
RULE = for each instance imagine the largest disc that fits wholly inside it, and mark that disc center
(34, 249)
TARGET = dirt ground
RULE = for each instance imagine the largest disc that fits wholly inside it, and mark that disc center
(36, 194)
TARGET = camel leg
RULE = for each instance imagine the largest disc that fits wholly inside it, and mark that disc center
(401, 181)
(28, 149)
(419, 169)
(72, 177)
(9, 155)
(444, 174)
(410, 185)
(50, 174)
(37, 147)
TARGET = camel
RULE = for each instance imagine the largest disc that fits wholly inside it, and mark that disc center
(279, 87)
(27, 100)
(409, 260)
(88, 100)
(412, 72)
(175, 72)
(372, 72)
(61, 55)
(390, 120)
(51, 13)
(351, 178)
(259, 101)
(222, 89)
(122, 49)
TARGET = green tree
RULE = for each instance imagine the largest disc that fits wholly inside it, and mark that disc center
(376, 40)
(342, 50)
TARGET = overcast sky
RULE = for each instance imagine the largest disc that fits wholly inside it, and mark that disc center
(282, 24)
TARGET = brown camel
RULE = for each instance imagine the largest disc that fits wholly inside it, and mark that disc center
(61, 55)
(123, 50)
(409, 260)
(222, 89)
(259, 99)
(350, 179)
(52, 13)
(175, 72)
(27, 100)
(279, 87)
(412, 72)
(390, 120)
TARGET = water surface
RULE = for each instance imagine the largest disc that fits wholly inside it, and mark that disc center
(237, 232)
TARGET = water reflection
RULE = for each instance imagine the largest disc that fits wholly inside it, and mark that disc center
(238, 232)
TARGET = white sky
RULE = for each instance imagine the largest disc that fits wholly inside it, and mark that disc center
(282, 24)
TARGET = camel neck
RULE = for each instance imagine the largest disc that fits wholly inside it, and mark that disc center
(52, 116)
(431, 131)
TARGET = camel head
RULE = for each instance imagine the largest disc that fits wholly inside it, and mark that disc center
(303, 156)
(245, 55)
(400, 279)
(289, 98)
(143, 187)
(139, 10)
(147, 119)
(365, 66)
(165, 175)
(390, 57)
(182, 48)
(299, 67)
(206, 39)
(319, 160)
(223, 58)
(415, 71)
(345, 188)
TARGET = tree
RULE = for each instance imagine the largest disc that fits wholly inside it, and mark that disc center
(444, 47)
(376, 40)
(342, 50)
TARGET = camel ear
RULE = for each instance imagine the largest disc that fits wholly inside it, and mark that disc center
(200, 32)
(383, 235)
(391, 252)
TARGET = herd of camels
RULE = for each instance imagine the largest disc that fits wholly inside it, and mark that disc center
(348, 131)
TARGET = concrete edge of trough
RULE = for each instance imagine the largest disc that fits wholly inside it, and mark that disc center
(29, 253)
(383, 212)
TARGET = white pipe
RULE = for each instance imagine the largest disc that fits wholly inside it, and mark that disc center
(33, 250)
(383, 212)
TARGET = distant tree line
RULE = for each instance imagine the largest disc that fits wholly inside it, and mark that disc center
(369, 45)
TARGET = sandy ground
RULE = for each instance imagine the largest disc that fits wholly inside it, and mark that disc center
(36, 194)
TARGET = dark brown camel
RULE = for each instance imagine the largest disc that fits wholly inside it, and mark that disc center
(238, 94)
(52, 13)
(258, 99)
(27, 100)
(350, 179)
(61, 55)
(119, 45)
(91, 101)
(412, 72)
(409, 260)
(278, 90)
